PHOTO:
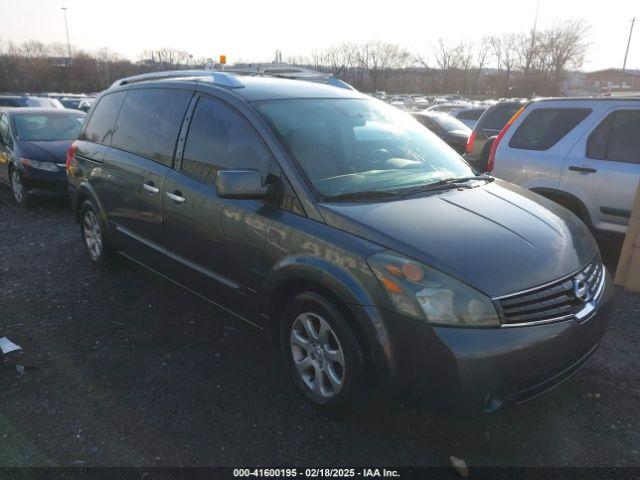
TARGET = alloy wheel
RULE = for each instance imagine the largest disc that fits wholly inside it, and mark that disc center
(92, 235)
(317, 355)
(16, 186)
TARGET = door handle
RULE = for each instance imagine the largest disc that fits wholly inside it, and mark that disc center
(176, 197)
(582, 169)
(151, 188)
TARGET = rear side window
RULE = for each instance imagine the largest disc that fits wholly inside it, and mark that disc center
(617, 138)
(99, 128)
(624, 142)
(544, 127)
(221, 138)
(496, 117)
(599, 138)
(149, 123)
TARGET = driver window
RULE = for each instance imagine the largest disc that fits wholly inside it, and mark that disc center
(220, 138)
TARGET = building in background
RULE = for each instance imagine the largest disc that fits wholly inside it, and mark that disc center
(613, 80)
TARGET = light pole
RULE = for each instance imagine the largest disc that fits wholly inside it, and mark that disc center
(532, 46)
(66, 28)
(626, 53)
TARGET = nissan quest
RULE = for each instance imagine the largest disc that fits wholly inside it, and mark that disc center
(352, 236)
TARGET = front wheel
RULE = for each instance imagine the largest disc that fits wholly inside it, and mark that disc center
(322, 353)
(20, 194)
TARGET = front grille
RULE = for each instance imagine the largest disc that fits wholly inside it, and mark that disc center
(557, 301)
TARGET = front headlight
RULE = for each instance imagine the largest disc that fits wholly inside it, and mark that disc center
(422, 292)
(47, 166)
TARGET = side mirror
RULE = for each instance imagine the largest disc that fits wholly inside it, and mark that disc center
(245, 184)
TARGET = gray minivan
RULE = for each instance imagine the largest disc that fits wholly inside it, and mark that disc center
(351, 235)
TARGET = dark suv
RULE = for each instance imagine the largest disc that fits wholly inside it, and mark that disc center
(488, 127)
(350, 234)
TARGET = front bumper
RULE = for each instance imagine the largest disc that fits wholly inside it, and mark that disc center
(44, 183)
(483, 368)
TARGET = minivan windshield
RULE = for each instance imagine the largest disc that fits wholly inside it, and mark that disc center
(42, 127)
(350, 146)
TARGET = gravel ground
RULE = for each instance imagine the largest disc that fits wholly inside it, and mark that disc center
(123, 368)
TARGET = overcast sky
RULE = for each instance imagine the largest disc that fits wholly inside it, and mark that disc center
(251, 30)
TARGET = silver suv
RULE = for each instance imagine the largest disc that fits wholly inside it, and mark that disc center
(583, 153)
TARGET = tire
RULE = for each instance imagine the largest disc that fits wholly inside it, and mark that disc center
(92, 232)
(322, 354)
(483, 161)
(20, 195)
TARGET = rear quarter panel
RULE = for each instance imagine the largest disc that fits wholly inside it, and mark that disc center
(84, 172)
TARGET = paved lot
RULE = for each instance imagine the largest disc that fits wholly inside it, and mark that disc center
(123, 368)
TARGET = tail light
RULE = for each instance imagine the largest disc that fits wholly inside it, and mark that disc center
(70, 154)
(494, 147)
(472, 138)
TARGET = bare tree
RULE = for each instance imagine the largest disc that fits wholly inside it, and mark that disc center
(482, 54)
(504, 54)
(166, 57)
(524, 63)
(379, 58)
(567, 47)
(446, 58)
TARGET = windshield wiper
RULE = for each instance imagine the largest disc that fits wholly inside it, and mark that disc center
(362, 195)
(446, 184)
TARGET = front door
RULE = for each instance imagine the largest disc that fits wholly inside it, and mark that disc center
(216, 244)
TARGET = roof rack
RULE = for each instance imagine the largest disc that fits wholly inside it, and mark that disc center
(223, 79)
(292, 72)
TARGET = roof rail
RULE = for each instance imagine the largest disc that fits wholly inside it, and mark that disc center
(292, 72)
(223, 79)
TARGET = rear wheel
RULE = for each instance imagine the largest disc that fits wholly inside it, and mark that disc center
(322, 353)
(20, 194)
(93, 238)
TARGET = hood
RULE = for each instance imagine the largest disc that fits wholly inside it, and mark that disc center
(52, 151)
(498, 237)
